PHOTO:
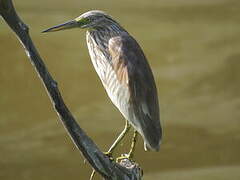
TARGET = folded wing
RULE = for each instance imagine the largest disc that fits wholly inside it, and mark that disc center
(133, 72)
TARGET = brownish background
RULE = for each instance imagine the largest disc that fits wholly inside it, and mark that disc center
(193, 47)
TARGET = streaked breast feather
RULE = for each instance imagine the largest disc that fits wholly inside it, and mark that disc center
(111, 79)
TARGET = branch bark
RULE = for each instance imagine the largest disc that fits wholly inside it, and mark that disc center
(125, 170)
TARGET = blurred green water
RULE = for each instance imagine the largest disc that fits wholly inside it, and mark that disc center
(193, 48)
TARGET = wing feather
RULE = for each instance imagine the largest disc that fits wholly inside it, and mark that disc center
(133, 71)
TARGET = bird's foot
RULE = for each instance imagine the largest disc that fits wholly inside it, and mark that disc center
(109, 155)
(124, 156)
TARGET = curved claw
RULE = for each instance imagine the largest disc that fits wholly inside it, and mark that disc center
(123, 156)
(109, 154)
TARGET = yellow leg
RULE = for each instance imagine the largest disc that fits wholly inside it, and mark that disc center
(132, 149)
(119, 138)
(133, 144)
(114, 145)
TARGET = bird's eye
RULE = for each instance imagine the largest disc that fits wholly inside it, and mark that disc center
(84, 21)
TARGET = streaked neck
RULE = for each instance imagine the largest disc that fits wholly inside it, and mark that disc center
(102, 34)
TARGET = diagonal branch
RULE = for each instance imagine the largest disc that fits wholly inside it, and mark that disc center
(100, 162)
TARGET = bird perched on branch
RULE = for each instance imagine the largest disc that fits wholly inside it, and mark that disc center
(125, 74)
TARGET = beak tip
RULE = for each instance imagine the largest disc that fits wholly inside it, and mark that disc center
(67, 25)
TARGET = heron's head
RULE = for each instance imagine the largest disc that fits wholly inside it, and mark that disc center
(90, 19)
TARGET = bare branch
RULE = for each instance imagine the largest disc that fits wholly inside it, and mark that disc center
(125, 170)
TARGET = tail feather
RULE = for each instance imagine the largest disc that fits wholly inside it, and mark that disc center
(151, 132)
(152, 138)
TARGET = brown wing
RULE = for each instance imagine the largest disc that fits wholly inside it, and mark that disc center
(132, 69)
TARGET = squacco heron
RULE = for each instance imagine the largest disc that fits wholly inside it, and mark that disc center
(125, 74)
